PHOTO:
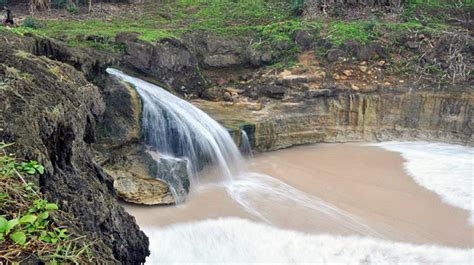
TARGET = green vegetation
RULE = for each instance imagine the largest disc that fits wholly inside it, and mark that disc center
(362, 31)
(27, 221)
(270, 23)
(165, 20)
(438, 3)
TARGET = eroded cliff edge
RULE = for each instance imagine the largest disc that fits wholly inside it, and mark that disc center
(50, 111)
(401, 114)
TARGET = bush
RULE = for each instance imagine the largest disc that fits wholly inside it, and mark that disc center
(32, 23)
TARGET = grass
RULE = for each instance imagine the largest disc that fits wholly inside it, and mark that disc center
(361, 31)
(165, 20)
(269, 22)
(439, 3)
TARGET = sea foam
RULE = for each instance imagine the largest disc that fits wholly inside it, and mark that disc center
(240, 241)
(442, 168)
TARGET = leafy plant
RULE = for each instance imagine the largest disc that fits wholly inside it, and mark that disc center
(26, 224)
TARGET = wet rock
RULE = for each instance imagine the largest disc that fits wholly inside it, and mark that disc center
(139, 190)
(174, 171)
(133, 167)
(121, 120)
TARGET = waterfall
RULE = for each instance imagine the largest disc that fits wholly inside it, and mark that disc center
(176, 128)
(245, 147)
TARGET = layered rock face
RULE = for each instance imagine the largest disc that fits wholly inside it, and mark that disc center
(446, 116)
(50, 111)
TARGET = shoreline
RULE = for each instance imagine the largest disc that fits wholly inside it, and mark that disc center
(365, 181)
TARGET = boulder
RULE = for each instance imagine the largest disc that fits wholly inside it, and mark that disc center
(334, 55)
(215, 51)
(303, 38)
(168, 61)
(259, 57)
(125, 37)
(139, 190)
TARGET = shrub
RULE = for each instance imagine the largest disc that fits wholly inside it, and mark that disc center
(32, 23)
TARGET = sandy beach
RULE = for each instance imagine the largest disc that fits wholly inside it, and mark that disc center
(366, 185)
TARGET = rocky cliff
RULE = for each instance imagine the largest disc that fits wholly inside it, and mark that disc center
(50, 111)
(402, 114)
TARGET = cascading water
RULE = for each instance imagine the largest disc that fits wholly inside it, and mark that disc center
(245, 146)
(177, 128)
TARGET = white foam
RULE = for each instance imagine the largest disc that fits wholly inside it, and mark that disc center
(234, 240)
(442, 168)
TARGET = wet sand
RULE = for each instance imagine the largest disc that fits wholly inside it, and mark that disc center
(366, 182)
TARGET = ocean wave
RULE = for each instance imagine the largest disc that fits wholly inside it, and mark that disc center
(445, 169)
(240, 241)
